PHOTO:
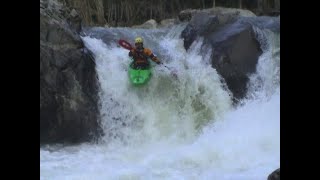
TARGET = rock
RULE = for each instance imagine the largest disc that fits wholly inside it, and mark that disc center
(199, 24)
(168, 23)
(234, 45)
(235, 56)
(68, 82)
(150, 24)
(275, 175)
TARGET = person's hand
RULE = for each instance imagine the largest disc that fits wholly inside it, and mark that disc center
(156, 60)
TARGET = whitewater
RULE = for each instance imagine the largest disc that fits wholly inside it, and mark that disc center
(182, 124)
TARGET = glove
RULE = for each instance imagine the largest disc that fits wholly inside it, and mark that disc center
(155, 59)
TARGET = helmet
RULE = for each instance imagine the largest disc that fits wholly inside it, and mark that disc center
(138, 40)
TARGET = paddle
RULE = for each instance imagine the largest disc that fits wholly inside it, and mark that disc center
(128, 46)
(125, 44)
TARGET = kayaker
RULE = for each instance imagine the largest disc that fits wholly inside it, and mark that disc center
(140, 55)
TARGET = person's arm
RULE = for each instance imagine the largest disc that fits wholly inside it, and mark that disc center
(152, 56)
(155, 59)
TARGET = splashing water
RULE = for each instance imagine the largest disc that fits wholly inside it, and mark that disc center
(181, 124)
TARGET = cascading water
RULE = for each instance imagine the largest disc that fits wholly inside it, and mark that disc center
(181, 125)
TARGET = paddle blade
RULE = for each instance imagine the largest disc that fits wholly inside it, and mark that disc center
(125, 44)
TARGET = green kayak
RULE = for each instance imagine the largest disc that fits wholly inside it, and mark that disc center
(139, 76)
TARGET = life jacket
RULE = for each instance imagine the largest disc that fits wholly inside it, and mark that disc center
(142, 57)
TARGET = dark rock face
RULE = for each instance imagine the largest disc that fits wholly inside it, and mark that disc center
(275, 175)
(200, 24)
(68, 82)
(235, 57)
(233, 41)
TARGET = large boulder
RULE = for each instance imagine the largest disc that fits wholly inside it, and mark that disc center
(167, 23)
(235, 49)
(150, 24)
(68, 82)
(235, 56)
(200, 24)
